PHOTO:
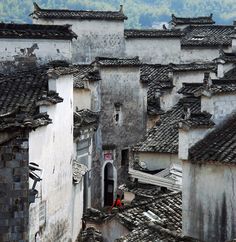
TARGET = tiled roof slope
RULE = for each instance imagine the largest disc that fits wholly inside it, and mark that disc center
(190, 88)
(208, 35)
(85, 117)
(194, 20)
(152, 33)
(77, 14)
(166, 225)
(228, 57)
(36, 31)
(163, 138)
(217, 146)
(112, 62)
(194, 66)
(217, 86)
(20, 96)
(157, 78)
(202, 119)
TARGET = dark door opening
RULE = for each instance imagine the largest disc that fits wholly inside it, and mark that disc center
(108, 185)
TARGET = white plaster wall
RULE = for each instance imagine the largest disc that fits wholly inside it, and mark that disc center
(95, 38)
(191, 54)
(51, 147)
(157, 161)
(46, 50)
(187, 138)
(82, 98)
(170, 98)
(209, 211)
(77, 212)
(154, 50)
(189, 77)
(219, 106)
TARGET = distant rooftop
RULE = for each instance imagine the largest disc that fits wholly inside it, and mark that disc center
(207, 35)
(36, 31)
(106, 61)
(153, 33)
(195, 20)
(77, 14)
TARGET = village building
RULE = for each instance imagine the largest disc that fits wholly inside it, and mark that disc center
(208, 185)
(76, 99)
(100, 33)
(153, 46)
(25, 45)
(37, 153)
(183, 22)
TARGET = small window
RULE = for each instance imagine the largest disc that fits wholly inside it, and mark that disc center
(117, 117)
(124, 157)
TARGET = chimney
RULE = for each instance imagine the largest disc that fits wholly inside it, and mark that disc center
(207, 80)
(121, 9)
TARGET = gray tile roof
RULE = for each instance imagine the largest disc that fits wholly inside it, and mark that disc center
(152, 33)
(77, 14)
(218, 86)
(217, 146)
(158, 80)
(190, 88)
(197, 120)
(20, 95)
(85, 117)
(110, 62)
(207, 36)
(167, 212)
(227, 57)
(36, 31)
(194, 66)
(193, 20)
(163, 138)
(91, 235)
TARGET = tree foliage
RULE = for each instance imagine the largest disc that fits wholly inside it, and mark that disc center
(141, 13)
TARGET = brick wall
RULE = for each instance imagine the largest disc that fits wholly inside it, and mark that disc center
(14, 185)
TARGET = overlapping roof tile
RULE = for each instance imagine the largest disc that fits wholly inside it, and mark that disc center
(110, 62)
(154, 219)
(21, 94)
(207, 36)
(163, 137)
(193, 20)
(77, 14)
(36, 31)
(196, 120)
(217, 146)
(152, 33)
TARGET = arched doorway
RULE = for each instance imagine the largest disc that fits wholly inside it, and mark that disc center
(108, 184)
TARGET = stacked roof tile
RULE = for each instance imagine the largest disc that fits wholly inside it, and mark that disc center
(152, 33)
(217, 146)
(227, 57)
(77, 14)
(194, 20)
(36, 31)
(85, 117)
(194, 66)
(20, 96)
(196, 120)
(163, 137)
(158, 80)
(110, 62)
(154, 219)
(208, 35)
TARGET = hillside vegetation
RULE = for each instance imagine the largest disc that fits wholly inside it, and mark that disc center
(141, 13)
